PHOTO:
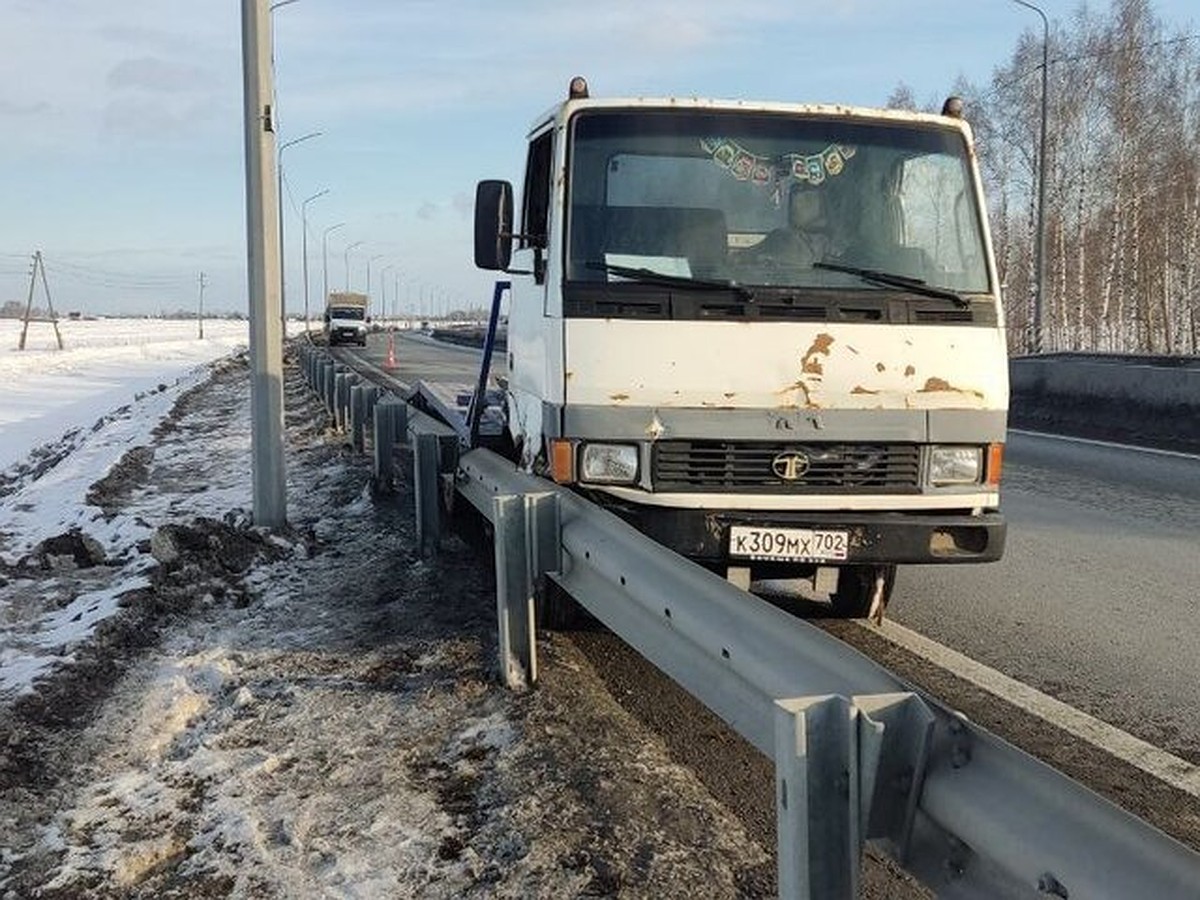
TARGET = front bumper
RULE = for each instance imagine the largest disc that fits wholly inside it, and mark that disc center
(952, 537)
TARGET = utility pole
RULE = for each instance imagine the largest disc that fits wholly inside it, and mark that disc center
(263, 269)
(200, 308)
(39, 266)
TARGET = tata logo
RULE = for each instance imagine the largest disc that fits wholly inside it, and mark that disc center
(791, 465)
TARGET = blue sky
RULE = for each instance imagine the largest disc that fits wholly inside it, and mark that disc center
(122, 160)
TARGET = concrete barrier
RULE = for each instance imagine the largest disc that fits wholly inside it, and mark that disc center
(1148, 400)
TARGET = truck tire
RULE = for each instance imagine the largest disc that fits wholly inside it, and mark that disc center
(856, 585)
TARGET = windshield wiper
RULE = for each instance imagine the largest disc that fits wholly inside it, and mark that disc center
(650, 276)
(889, 279)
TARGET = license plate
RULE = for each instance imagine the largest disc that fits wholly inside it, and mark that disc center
(788, 544)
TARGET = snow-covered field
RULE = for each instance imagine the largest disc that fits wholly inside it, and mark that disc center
(66, 418)
(103, 365)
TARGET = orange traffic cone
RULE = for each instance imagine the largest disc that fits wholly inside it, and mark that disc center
(391, 359)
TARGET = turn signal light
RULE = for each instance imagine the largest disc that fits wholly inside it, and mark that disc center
(562, 461)
(995, 463)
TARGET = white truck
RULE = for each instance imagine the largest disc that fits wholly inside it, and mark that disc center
(769, 335)
(346, 318)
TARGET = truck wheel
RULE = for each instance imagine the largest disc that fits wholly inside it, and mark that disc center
(856, 586)
(556, 610)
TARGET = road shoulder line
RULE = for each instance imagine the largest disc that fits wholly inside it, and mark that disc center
(1112, 445)
(1166, 767)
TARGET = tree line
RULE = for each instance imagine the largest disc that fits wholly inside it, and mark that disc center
(1122, 207)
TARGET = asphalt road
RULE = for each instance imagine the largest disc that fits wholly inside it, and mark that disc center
(1096, 601)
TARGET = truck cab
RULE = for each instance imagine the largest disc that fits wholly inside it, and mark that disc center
(769, 335)
(346, 318)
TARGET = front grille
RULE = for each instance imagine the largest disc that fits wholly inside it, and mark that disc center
(748, 466)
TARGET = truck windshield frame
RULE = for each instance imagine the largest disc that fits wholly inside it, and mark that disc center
(755, 198)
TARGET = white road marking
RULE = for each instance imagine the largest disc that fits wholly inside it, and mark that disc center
(1109, 444)
(1178, 773)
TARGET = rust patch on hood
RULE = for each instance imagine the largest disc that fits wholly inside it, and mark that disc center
(810, 365)
(802, 388)
(909, 371)
(859, 389)
(619, 397)
(940, 385)
(880, 367)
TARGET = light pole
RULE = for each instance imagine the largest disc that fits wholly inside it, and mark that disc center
(325, 258)
(304, 231)
(371, 259)
(279, 193)
(268, 478)
(346, 260)
(383, 287)
(1039, 247)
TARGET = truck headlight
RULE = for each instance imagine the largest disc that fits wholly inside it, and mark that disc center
(609, 463)
(955, 465)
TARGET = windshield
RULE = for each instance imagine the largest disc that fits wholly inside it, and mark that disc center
(758, 198)
(347, 312)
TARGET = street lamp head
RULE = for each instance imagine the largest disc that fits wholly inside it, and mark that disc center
(303, 137)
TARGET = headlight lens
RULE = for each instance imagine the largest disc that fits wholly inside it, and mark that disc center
(955, 465)
(609, 463)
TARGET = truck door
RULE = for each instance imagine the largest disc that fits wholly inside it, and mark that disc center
(534, 330)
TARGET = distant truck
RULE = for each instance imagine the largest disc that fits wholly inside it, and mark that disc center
(346, 318)
(769, 335)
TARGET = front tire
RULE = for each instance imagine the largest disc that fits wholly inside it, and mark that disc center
(856, 589)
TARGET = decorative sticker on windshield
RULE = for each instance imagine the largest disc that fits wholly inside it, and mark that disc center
(814, 169)
(761, 170)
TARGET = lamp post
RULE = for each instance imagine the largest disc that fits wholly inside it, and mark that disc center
(346, 260)
(279, 194)
(383, 287)
(269, 483)
(371, 259)
(325, 257)
(1039, 251)
(304, 231)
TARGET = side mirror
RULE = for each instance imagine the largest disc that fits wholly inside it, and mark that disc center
(493, 224)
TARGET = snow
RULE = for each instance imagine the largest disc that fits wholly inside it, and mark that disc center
(66, 417)
(103, 365)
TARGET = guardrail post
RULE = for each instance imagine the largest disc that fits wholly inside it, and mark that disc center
(317, 373)
(341, 392)
(527, 547)
(890, 793)
(817, 798)
(371, 395)
(426, 483)
(357, 416)
(514, 592)
(328, 385)
(391, 422)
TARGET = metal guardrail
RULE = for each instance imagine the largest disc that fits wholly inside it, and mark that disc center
(859, 755)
